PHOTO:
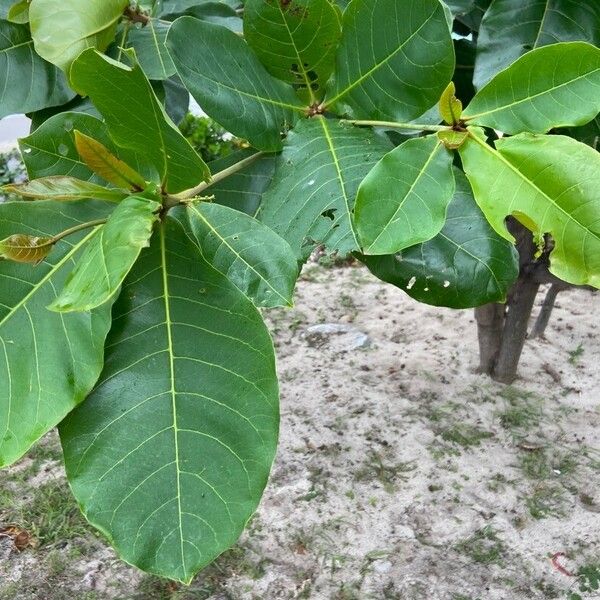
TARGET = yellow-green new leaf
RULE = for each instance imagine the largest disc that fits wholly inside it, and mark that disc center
(109, 256)
(550, 87)
(23, 248)
(403, 200)
(450, 106)
(63, 188)
(100, 160)
(551, 184)
(62, 29)
(48, 362)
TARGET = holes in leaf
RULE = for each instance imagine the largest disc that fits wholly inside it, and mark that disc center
(329, 214)
(299, 76)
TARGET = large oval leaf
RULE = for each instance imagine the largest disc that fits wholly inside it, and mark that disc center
(296, 41)
(551, 184)
(230, 84)
(62, 29)
(48, 362)
(171, 452)
(27, 82)
(394, 61)
(554, 86)
(510, 28)
(109, 256)
(467, 264)
(403, 200)
(137, 120)
(253, 257)
(311, 198)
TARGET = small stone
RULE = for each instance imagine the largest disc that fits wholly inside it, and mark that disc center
(341, 336)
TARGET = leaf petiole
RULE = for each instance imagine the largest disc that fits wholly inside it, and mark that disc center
(394, 125)
(53, 240)
(175, 199)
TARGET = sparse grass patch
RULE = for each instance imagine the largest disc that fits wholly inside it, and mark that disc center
(546, 500)
(483, 547)
(523, 410)
(375, 468)
(465, 435)
(576, 354)
(51, 515)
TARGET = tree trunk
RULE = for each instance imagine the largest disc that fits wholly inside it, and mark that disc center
(490, 324)
(514, 334)
(539, 329)
(502, 328)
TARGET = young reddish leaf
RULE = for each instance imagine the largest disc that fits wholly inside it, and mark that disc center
(97, 157)
(450, 106)
(24, 248)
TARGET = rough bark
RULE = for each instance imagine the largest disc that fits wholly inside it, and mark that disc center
(490, 324)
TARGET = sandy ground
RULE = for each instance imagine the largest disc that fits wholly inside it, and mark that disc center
(401, 473)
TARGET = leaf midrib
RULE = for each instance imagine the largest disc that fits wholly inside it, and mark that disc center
(422, 172)
(528, 98)
(172, 391)
(340, 177)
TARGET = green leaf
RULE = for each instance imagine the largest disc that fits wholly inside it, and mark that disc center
(296, 41)
(235, 90)
(25, 248)
(149, 45)
(510, 28)
(48, 362)
(254, 258)
(450, 106)
(551, 185)
(467, 264)
(169, 455)
(51, 149)
(403, 200)
(19, 12)
(98, 158)
(173, 8)
(27, 82)
(137, 121)
(243, 190)
(394, 60)
(109, 256)
(62, 29)
(218, 13)
(59, 187)
(554, 86)
(311, 197)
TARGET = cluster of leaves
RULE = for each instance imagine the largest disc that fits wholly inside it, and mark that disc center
(209, 140)
(154, 263)
(12, 170)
